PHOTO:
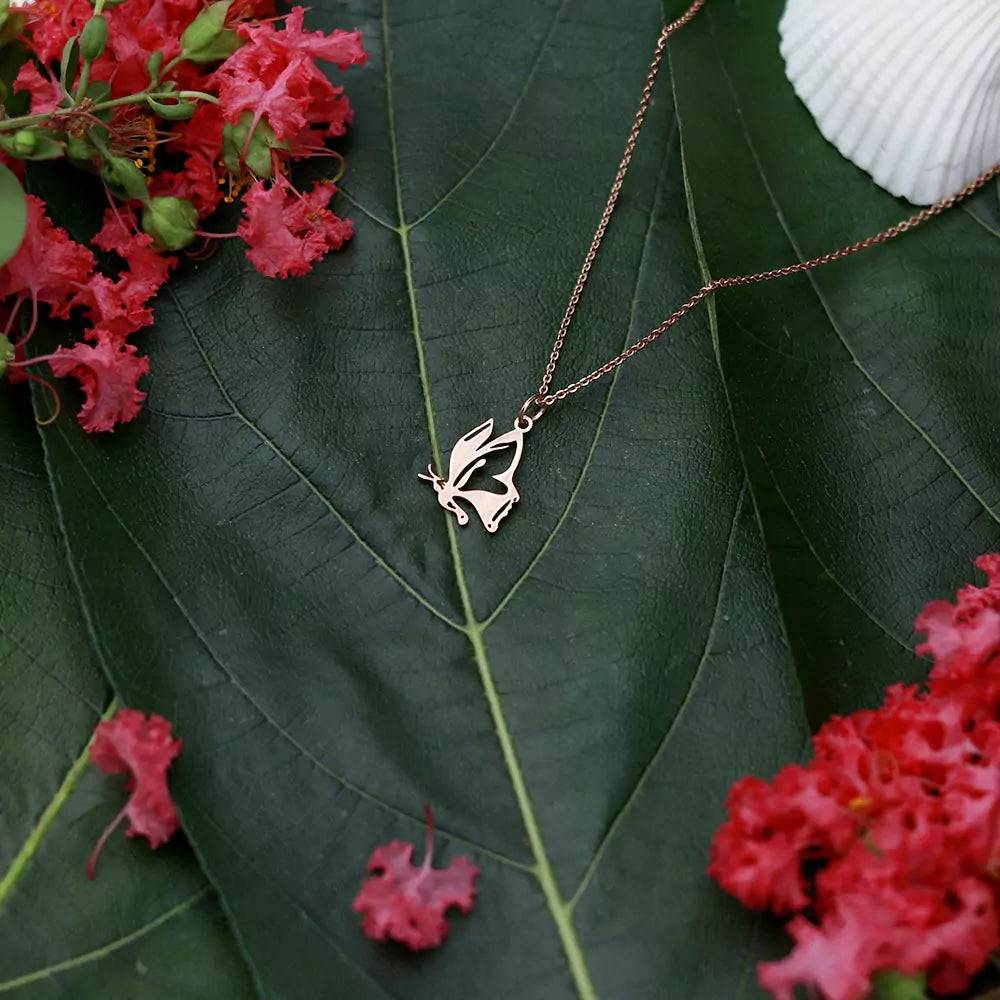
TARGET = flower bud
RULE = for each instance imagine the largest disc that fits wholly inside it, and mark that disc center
(124, 178)
(237, 153)
(79, 149)
(94, 37)
(170, 221)
(23, 142)
(207, 39)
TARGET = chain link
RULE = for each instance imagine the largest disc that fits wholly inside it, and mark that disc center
(544, 399)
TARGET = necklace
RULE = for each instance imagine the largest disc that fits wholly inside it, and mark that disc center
(471, 451)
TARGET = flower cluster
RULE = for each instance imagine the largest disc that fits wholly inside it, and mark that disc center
(897, 814)
(177, 106)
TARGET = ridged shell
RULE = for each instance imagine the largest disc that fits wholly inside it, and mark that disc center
(909, 90)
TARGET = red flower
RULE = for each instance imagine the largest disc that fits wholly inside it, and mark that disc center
(903, 806)
(406, 903)
(119, 307)
(286, 231)
(108, 373)
(144, 749)
(275, 76)
(48, 266)
(46, 92)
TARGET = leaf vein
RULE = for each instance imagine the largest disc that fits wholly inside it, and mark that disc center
(107, 949)
(542, 870)
(246, 694)
(578, 485)
(508, 121)
(31, 845)
(845, 343)
(658, 753)
(306, 481)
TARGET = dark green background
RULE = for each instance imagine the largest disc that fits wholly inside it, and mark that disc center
(716, 547)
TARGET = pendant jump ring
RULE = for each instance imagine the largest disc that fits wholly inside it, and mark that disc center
(524, 418)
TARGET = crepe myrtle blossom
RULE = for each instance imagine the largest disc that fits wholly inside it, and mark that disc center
(883, 849)
(178, 106)
(130, 743)
(406, 903)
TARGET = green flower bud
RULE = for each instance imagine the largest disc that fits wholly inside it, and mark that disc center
(257, 158)
(32, 144)
(23, 142)
(94, 37)
(6, 354)
(124, 178)
(206, 39)
(171, 222)
(79, 149)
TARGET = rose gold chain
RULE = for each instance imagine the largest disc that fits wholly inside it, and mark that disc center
(544, 399)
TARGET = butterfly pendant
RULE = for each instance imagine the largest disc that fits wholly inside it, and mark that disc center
(470, 454)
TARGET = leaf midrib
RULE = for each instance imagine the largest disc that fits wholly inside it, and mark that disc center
(542, 871)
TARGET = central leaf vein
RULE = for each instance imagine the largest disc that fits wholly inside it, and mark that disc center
(542, 871)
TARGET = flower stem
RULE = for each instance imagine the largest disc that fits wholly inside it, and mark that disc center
(99, 846)
(23, 121)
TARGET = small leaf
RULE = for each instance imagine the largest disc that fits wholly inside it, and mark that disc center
(892, 985)
(69, 65)
(207, 39)
(13, 214)
(173, 112)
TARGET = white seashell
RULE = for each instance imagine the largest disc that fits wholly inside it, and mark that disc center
(909, 90)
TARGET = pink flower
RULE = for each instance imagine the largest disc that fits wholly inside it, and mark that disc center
(901, 805)
(108, 373)
(144, 749)
(275, 76)
(287, 231)
(48, 266)
(408, 904)
(46, 93)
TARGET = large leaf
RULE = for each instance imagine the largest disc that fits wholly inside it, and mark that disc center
(863, 392)
(149, 928)
(574, 694)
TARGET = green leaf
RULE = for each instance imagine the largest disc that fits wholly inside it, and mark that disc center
(177, 111)
(149, 927)
(206, 39)
(69, 64)
(13, 214)
(860, 391)
(896, 986)
(726, 537)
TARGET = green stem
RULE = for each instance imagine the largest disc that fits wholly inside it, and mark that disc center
(99, 143)
(81, 87)
(170, 65)
(23, 121)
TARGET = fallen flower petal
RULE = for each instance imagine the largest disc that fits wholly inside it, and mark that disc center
(406, 903)
(144, 749)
